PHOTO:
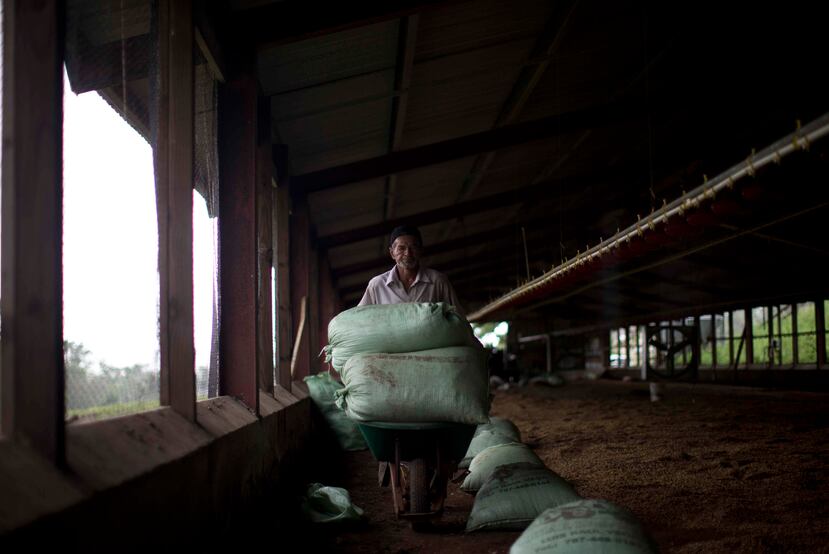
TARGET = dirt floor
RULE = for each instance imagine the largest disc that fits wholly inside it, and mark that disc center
(708, 469)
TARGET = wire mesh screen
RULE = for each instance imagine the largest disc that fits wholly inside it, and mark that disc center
(205, 229)
(111, 285)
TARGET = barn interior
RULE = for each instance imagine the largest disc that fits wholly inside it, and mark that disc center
(621, 193)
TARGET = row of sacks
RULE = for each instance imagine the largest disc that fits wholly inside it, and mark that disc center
(413, 362)
(514, 490)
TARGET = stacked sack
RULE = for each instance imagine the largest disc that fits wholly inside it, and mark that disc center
(408, 363)
(514, 490)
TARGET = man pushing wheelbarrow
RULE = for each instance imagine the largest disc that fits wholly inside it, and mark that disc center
(414, 376)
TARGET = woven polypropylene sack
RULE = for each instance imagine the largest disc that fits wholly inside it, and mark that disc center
(323, 504)
(321, 388)
(480, 442)
(501, 425)
(485, 463)
(395, 328)
(515, 495)
(582, 527)
(445, 384)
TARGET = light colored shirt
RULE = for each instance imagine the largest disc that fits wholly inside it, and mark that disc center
(428, 286)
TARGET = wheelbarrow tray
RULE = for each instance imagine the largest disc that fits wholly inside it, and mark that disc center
(415, 438)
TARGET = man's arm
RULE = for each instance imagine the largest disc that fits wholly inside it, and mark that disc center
(367, 298)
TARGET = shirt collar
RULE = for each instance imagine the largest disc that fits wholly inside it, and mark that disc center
(422, 276)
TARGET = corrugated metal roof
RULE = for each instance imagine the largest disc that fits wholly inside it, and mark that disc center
(329, 58)
(348, 207)
(461, 94)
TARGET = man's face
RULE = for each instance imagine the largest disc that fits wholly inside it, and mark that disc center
(406, 252)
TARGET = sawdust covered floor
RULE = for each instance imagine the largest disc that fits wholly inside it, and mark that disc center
(708, 469)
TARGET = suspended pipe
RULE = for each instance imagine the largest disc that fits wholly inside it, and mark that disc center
(799, 140)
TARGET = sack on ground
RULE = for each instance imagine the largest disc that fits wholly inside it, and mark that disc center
(515, 495)
(322, 504)
(321, 388)
(501, 425)
(484, 464)
(480, 442)
(585, 526)
(445, 384)
(395, 328)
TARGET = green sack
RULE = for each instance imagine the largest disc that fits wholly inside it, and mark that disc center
(485, 463)
(501, 425)
(582, 527)
(395, 328)
(515, 495)
(322, 387)
(445, 384)
(481, 440)
(323, 504)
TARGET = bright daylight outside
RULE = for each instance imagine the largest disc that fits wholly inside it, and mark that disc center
(111, 283)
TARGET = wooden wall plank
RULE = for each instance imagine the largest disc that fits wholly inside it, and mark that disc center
(174, 182)
(32, 226)
(282, 210)
(237, 239)
(264, 261)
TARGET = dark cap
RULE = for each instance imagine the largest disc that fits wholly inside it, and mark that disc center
(405, 230)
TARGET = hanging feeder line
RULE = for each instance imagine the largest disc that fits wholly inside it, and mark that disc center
(801, 139)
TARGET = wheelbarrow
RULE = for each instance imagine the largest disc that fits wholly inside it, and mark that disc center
(430, 451)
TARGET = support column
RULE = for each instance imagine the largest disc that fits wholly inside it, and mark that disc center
(282, 211)
(174, 198)
(237, 239)
(32, 220)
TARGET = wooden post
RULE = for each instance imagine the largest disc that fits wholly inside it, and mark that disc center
(749, 334)
(282, 210)
(314, 361)
(329, 305)
(300, 254)
(713, 338)
(32, 225)
(174, 185)
(794, 334)
(237, 239)
(730, 337)
(264, 225)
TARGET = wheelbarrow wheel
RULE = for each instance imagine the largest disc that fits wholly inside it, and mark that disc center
(418, 487)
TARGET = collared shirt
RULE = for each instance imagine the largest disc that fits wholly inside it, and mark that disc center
(428, 286)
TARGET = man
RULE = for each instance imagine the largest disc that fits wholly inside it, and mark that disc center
(408, 281)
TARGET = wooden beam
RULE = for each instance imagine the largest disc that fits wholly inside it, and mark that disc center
(237, 239)
(264, 248)
(529, 77)
(431, 250)
(444, 151)
(32, 223)
(205, 17)
(285, 22)
(407, 39)
(174, 182)
(491, 202)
